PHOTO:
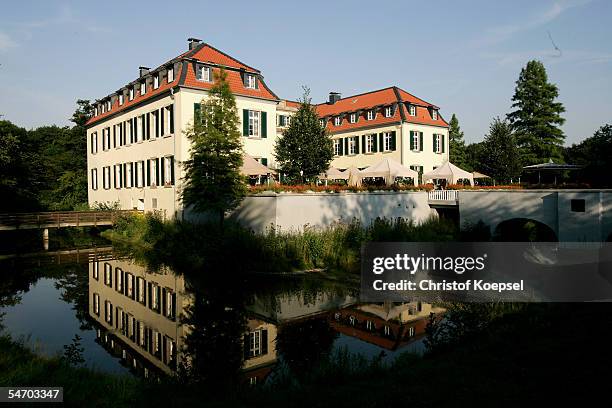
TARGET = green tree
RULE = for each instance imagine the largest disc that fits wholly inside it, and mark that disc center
(536, 117)
(305, 149)
(474, 153)
(212, 179)
(595, 153)
(500, 156)
(457, 144)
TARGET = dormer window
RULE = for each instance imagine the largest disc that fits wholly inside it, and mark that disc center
(121, 99)
(204, 73)
(250, 81)
(371, 114)
(434, 114)
(143, 87)
(96, 111)
(156, 81)
(388, 111)
(353, 117)
(322, 122)
(337, 120)
(170, 74)
(131, 95)
(412, 110)
(108, 105)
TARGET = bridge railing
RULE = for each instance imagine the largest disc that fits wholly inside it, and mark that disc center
(60, 219)
(442, 195)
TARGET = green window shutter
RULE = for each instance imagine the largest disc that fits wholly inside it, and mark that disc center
(264, 124)
(411, 133)
(421, 141)
(161, 169)
(196, 112)
(148, 172)
(363, 143)
(171, 110)
(374, 143)
(264, 161)
(148, 125)
(434, 142)
(245, 122)
(443, 147)
(381, 142)
(393, 145)
(172, 170)
(162, 127)
(157, 167)
(346, 149)
(340, 147)
(356, 144)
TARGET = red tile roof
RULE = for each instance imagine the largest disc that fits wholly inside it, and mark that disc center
(377, 99)
(204, 53)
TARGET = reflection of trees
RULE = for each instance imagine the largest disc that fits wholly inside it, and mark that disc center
(215, 324)
(73, 285)
(304, 343)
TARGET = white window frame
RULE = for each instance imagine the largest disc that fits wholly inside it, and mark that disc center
(143, 87)
(412, 110)
(250, 81)
(416, 141)
(438, 142)
(369, 143)
(94, 179)
(121, 99)
(96, 304)
(204, 73)
(128, 175)
(353, 118)
(153, 170)
(168, 169)
(140, 170)
(103, 108)
(254, 123)
(156, 81)
(94, 143)
(352, 146)
(322, 122)
(388, 111)
(337, 121)
(131, 93)
(109, 105)
(170, 74)
(434, 114)
(337, 144)
(387, 141)
(117, 174)
(96, 111)
(371, 114)
(255, 347)
(106, 177)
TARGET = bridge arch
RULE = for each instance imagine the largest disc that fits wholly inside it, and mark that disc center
(524, 229)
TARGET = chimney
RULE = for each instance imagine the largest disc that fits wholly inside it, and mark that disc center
(142, 71)
(193, 42)
(333, 97)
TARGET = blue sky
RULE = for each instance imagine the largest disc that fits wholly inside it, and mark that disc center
(463, 57)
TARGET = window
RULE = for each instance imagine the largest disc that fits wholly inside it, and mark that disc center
(250, 81)
(153, 173)
(284, 120)
(119, 280)
(108, 105)
(121, 99)
(369, 143)
(388, 111)
(170, 74)
(352, 145)
(94, 142)
(141, 288)
(96, 304)
(106, 177)
(203, 73)
(96, 270)
(322, 122)
(438, 142)
(412, 110)
(353, 118)
(94, 179)
(337, 121)
(434, 114)
(169, 122)
(387, 141)
(108, 312)
(129, 167)
(337, 146)
(129, 285)
(154, 301)
(256, 346)
(168, 170)
(117, 175)
(415, 141)
(106, 134)
(577, 205)
(371, 114)
(96, 111)
(411, 331)
(140, 169)
(131, 94)
(103, 107)
(143, 87)
(253, 123)
(169, 312)
(156, 81)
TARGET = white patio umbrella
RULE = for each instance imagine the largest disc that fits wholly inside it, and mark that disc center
(389, 169)
(334, 174)
(449, 172)
(354, 176)
(251, 167)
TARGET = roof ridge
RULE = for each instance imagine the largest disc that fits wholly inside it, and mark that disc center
(356, 95)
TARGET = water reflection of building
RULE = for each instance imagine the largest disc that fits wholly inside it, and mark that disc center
(387, 325)
(259, 350)
(136, 312)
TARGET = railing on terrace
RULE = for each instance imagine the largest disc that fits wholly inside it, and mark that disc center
(448, 196)
(59, 219)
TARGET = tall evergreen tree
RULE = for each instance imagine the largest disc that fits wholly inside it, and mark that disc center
(595, 154)
(500, 156)
(457, 144)
(212, 179)
(536, 117)
(305, 149)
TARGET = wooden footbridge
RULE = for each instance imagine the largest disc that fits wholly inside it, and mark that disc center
(45, 220)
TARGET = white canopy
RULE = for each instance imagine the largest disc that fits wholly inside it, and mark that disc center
(449, 172)
(353, 174)
(251, 167)
(389, 169)
(334, 174)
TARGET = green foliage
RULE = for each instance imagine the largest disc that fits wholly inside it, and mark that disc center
(457, 151)
(73, 352)
(537, 117)
(500, 157)
(212, 179)
(595, 153)
(16, 159)
(305, 149)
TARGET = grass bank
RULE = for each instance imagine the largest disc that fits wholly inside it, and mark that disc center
(188, 246)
